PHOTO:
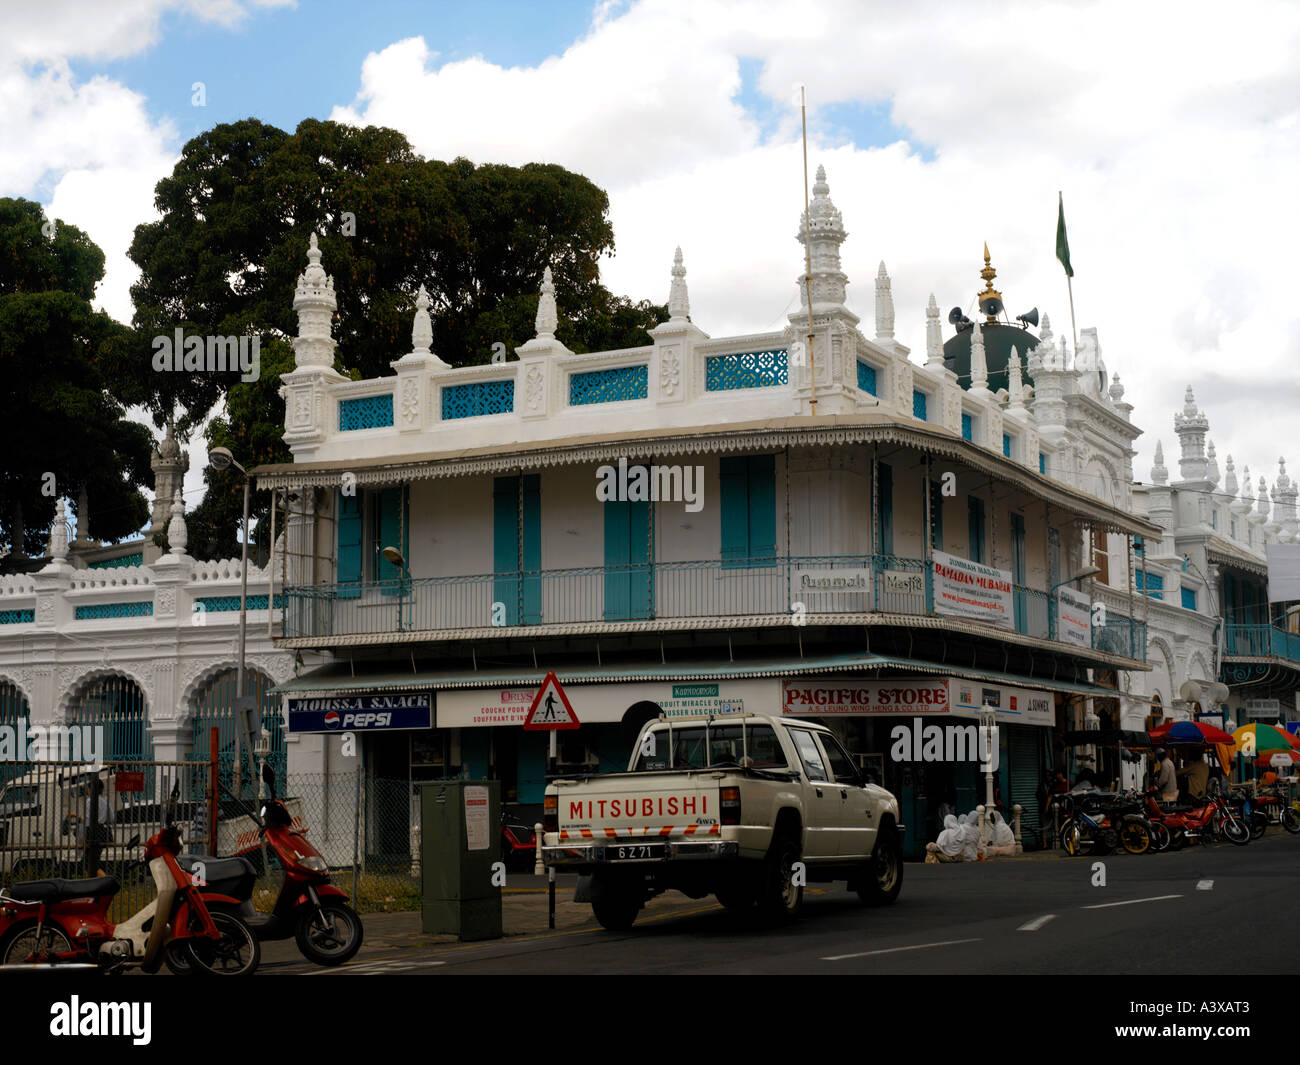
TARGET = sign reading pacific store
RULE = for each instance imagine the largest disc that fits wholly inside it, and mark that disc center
(915, 696)
(383, 711)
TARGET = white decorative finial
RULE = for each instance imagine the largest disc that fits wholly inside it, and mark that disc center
(1261, 509)
(422, 328)
(1229, 479)
(1015, 383)
(1159, 474)
(177, 535)
(1045, 332)
(679, 304)
(1211, 464)
(884, 305)
(933, 334)
(979, 370)
(1116, 389)
(58, 547)
(315, 303)
(547, 319)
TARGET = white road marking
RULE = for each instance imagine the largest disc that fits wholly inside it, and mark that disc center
(1036, 923)
(1129, 902)
(374, 968)
(1205, 885)
(896, 950)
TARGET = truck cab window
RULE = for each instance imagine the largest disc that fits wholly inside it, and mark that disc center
(810, 754)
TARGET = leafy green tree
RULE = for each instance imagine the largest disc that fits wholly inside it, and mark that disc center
(236, 214)
(62, 430)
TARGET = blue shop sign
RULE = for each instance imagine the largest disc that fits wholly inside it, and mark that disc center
(360, 713)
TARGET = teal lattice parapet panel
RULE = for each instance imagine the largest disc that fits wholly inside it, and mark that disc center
(219, 603)
(17, 617)
(608, 386)
(116, 563)
(101, 611)
(750, 369)
(866, 377)
(366, 412)
(477, 399)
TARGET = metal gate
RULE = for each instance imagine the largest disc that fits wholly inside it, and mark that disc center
(13, 729)
(118, 706)
(215, 705)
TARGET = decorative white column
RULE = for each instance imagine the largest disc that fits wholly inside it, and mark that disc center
(674, 341)
(536, 377)
(307, 404)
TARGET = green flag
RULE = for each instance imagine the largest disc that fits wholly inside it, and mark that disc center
(1062, 245)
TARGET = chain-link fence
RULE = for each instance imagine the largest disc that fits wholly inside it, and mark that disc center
(55, 820)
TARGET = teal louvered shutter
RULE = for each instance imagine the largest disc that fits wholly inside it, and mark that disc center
(733, 493)
(762, 507)
(349, 547)
(617, 606)
(531, 555)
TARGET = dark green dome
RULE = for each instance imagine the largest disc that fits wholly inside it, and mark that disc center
(998, 341)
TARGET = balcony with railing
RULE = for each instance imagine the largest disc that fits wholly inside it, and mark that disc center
(669, 595)
(1261, 641)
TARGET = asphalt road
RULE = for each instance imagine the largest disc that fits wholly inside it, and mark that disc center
(1215, 910)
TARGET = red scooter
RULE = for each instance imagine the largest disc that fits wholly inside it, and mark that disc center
(60, 922)
(1198, 823)
(308, 908)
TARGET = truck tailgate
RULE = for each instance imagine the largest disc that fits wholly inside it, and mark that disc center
(640, 805)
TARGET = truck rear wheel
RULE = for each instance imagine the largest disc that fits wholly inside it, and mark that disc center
(615, 902)
(883, 878)
(780, 897)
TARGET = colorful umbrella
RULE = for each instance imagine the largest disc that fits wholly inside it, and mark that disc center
(1188, 732)
(1256, 739)
(1276, 759)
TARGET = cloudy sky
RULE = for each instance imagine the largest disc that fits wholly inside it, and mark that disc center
(1171, 128)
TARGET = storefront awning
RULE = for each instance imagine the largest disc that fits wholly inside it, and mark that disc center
(340, 679)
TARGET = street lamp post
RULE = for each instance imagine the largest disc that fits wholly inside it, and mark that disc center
(220, 458)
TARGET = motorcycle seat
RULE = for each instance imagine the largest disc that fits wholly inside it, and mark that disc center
(226, 876)
(58, 889)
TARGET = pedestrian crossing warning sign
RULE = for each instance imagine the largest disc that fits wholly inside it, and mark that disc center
(551, 708)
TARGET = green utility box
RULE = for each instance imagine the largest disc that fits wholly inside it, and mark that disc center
(460, 841)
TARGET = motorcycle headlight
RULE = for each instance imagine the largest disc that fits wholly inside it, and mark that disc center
(315, 863)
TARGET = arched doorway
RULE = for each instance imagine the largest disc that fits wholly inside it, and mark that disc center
(214, 704)
(116, 704)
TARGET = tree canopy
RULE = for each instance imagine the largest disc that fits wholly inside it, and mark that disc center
(62, 430)
(236, 215)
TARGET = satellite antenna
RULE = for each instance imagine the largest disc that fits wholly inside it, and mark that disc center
(1030, 317)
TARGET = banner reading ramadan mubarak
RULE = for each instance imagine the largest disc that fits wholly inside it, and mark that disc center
(967, 589)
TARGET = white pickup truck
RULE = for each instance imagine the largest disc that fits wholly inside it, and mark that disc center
(746, 807)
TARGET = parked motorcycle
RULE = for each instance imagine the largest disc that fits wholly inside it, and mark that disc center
(1201, 823)
(59, 922)
(309, 908)
(1100, 822)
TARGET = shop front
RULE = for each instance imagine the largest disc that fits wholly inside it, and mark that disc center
(918, 736)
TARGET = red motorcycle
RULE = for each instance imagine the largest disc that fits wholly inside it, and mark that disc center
(1185, 824)
(60, 922)
(308, 908)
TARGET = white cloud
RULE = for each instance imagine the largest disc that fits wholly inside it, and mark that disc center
(91, 142)
(1170, 128)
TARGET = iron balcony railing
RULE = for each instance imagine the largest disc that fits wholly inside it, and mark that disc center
(1261, 641)
(685, 591)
